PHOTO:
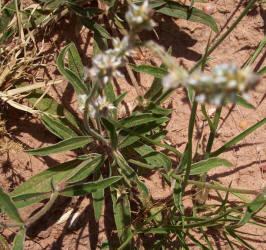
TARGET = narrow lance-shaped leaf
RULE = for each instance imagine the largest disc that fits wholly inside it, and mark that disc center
(76, 82)
(252, 208)
(122, 214)
(175, 9)
(137, 120)
(242, 102)
(74, 61)
(86, 168)
(86, 188)
(111, 131)
(94, 26)
(131, 176)
(68, 144)
(18, 243)
(58, 128)
(42, 182)
(98, 198)
(57, 111)
(157, 72)
(206, 165)
(9, 207)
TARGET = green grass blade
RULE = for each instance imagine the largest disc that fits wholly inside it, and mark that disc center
(242, 102)
(238, 138)
(257, 51)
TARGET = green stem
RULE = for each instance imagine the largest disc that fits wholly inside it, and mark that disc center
(189, 145)
(86, 116)
(245, 11)
(43, 211)
(213, 132)
(212, 186)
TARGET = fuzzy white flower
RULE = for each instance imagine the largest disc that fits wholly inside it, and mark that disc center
(124, 47)
(139, 17)
(100, 107)
(81, 101)
(105, 67)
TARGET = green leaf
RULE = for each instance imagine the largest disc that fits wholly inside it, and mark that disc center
(77, 83)
(68, 144)
(238, 138)
(141, 130)
(119, 99)
(74, 61)
(262, 71)
(99, 43)
(240, 239)
(155, 90)
(60, 114)
(156, 159)
(7, 205)
(122, 214)
(242, 102)
(205, 165)
(85, 12)
(3, 243)
(98, 199)
(109, 92)
(157, 110)
(136, 120)
(42, 181)
(89, 187)
(18, 243)
(57, 128)
(86, 168)
(111, 131)
(157, 72)
(143, 165)
(28, 199)
(94, 26)
(130, 175)
(175, 9)
(252, 208)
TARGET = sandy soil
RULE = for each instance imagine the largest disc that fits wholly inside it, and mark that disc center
(188, 41)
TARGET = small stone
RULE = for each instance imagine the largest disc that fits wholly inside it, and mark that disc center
(209, 9)
(243, 124)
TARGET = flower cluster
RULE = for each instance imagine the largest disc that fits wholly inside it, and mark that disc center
(105, 65)
(174, 78)
(100, 108)
(224, 82)
(139, 17)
